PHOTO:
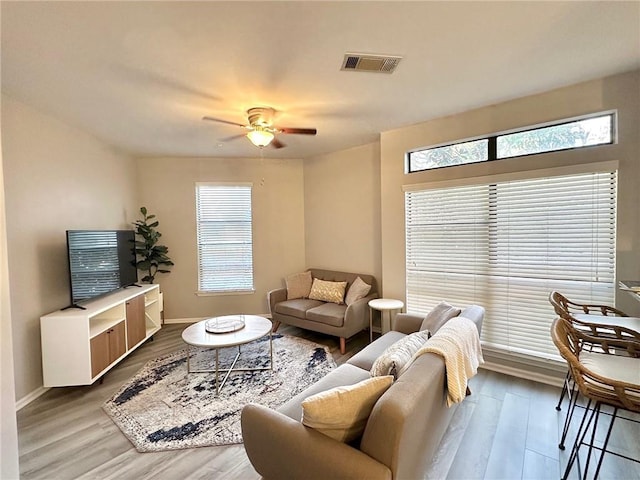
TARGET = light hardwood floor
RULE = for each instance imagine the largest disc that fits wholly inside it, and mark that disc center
(507, 429)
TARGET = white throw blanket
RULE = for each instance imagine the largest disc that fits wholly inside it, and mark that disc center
(458, 342)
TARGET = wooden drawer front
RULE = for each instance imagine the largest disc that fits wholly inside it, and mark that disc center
(136, 325)
(107, 347)
(117, 343)
(99, 353)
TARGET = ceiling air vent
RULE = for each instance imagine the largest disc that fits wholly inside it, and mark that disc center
(370, 63)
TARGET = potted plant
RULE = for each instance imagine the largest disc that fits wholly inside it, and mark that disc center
(151, 256)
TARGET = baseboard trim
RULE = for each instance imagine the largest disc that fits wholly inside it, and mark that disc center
(522, 373)
(198, 319)
(27, 399)
(183, 320)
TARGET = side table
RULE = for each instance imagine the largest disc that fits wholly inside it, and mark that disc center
(383, 305)
(632, 287)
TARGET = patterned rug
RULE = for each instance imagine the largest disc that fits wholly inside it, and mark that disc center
(163, 408)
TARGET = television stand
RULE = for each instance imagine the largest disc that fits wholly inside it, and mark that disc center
(82, 343)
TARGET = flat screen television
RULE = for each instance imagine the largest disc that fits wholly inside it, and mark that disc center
(100, 261)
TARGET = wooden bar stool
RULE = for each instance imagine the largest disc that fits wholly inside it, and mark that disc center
(598, 321)
(603, 377)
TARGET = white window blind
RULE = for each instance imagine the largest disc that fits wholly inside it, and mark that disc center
(224, 235)
(506, 245)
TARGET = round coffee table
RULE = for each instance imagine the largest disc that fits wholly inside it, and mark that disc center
(255, 327)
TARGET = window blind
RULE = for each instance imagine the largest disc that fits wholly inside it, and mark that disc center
(506, 245)
(224, 236)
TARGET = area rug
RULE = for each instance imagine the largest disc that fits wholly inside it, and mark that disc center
(164, 408)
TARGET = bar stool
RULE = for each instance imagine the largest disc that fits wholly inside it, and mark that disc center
(603, 378)
(598, 321)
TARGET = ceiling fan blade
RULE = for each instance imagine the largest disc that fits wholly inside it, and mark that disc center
(232, 137)
(275, 143)
(212, 119)
(302, 131)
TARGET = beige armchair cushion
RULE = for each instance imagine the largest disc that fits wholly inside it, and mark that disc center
(342, 412)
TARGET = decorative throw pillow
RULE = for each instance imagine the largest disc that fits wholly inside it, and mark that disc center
(342, 412)
(298, 285)
(396, 356)
(437, 317)
(357, 290)
(328, 291)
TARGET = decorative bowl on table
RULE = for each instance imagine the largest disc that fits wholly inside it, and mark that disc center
(227, 324)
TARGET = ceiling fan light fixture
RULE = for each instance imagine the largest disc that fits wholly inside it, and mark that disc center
(260, 137)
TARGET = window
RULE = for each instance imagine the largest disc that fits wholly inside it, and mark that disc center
(449, 155)
(224, 236)
(579, 133)
(506, 245)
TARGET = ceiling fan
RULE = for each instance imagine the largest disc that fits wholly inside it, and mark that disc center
(261, 131)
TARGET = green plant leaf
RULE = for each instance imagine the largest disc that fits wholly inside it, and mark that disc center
(150, 255)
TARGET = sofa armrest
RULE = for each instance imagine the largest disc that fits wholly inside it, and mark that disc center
(280, 447)
(276, 296)
(407, 323)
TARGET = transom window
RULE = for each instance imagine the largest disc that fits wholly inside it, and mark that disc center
(565, 135)
(224, 236)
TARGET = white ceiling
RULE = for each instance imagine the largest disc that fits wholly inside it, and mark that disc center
(141, 75)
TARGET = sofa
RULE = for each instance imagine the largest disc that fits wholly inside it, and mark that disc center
(330, 318)
(401, 434)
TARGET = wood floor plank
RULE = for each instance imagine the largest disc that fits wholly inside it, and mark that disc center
(508, 448)
(451, 440)
(544, 420)
(470, 461)
(537, 466)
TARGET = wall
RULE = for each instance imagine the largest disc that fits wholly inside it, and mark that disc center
(55, 178)
(621, 92)
(342, 210)
(8, 425)
(167, 189)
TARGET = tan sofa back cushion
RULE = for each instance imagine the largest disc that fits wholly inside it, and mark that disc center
(333, 276)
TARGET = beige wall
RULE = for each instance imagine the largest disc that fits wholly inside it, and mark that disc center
(621, 92)
(167, 189)
(55, 178)
(342, 210)
(8, 425)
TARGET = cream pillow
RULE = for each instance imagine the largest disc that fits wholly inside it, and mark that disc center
(342, 412)
(357, 290)
(298, 285)
(328, 291)
(396, 356)
(438, 316)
